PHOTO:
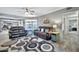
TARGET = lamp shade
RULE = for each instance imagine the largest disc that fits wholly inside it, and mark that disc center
(54, 26)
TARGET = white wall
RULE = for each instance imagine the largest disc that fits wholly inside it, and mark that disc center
(51, 17)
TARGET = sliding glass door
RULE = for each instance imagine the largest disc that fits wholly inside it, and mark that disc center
(30, 25)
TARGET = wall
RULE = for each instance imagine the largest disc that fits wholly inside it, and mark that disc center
(51, 17)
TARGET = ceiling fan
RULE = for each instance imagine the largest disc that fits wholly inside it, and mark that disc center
(27, 11)
(32, 12)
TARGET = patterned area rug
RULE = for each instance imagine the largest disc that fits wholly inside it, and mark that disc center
(34, 44)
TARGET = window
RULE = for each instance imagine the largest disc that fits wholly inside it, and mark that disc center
(72, 24)
(30, 24)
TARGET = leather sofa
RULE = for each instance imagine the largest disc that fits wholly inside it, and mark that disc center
(42, 35)
(17, 31)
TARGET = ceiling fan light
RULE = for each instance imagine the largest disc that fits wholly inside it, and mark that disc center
(26, 13)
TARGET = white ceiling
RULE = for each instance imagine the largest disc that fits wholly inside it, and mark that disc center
(20, 11)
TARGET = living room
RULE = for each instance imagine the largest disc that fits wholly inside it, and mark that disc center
(39, 29)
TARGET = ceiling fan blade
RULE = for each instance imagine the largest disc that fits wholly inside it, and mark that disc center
(32, 12)
(26, 9)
